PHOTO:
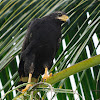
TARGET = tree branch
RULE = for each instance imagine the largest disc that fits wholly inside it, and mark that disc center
(91, 62)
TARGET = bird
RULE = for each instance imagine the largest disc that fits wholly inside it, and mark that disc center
(41, 43)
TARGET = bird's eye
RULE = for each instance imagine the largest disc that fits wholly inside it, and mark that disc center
(59, 14)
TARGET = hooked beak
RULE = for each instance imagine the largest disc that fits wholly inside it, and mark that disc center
(64, 18)
(68, 20)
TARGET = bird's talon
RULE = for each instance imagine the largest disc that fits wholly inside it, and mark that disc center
(45, 77)
(27, 87)
(50, 75)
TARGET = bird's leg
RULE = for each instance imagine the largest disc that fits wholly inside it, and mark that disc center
(28, 85)
(46, 75)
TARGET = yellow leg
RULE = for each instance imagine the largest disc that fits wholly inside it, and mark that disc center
(28, 85)
(46, 75)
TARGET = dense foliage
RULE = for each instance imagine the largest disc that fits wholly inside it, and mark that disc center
(77, 38)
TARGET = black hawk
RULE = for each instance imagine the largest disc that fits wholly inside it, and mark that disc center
(40, 45)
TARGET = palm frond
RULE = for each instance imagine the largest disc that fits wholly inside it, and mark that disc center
(77, 38)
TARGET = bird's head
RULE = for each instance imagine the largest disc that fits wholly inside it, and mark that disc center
(60, 16)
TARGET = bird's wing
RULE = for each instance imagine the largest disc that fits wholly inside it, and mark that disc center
(25, 48)
(28, 34)
(26, 39)
(58, 44)
(33, 44)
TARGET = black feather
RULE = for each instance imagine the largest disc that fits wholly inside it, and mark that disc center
(40, 45)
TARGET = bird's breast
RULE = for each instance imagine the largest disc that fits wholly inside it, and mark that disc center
(49, 34)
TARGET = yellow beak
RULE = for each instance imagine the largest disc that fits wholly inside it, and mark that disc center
(64, 18)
